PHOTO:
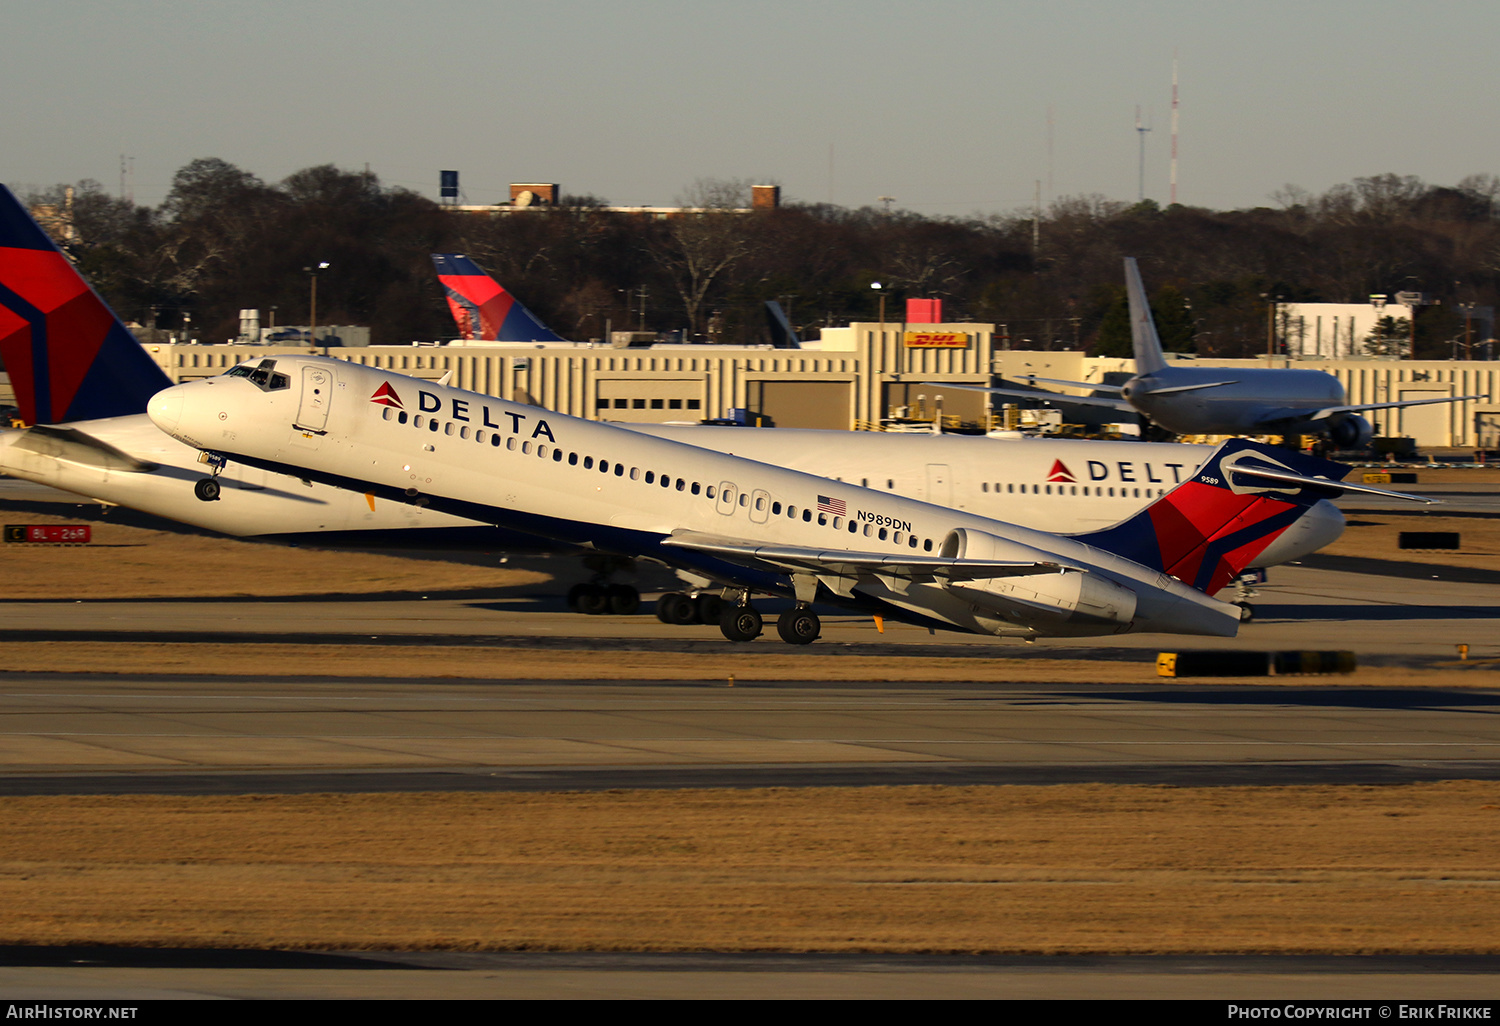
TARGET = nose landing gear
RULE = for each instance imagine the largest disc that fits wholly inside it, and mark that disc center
(207, 489)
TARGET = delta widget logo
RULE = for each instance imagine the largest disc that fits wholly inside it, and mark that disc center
(1060, 472)
(385, 395)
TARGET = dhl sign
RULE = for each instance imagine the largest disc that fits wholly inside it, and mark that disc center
(936, 340)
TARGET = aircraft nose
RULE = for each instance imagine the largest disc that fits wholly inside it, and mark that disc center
(165, 409)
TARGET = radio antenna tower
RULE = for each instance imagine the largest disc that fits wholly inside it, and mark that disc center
(1141, 131)
(1174, 130)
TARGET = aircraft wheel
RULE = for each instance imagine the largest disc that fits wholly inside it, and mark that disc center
(575, 593)
(682, 610)
(1247, 612)
(663, 604)
(710, 608)
(623, 599)
(740, 623)
(207, 489)
(593, 600)
(799, 627)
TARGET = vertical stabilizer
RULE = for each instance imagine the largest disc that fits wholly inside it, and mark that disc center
(68, 356)
(482, 309)
(783, 335)
(1208, 529)
(1143, 337)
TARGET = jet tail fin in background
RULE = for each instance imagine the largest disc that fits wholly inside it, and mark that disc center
(1143, 337)
(68, 356)
(485, 311)
(1206, 531)
(783, 335)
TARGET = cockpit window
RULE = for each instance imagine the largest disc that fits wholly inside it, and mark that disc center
(263, 375)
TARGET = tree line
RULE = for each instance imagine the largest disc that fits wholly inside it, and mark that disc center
(224, 239)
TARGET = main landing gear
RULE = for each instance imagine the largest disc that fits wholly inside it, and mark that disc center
(799, 626)
(596, 599)
(1244, 591)
(679, 608)
(598, 596)
(741, 623)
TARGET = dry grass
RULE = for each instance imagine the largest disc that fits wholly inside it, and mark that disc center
(1085, 868)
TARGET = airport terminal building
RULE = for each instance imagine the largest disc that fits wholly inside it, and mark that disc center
(861, 376)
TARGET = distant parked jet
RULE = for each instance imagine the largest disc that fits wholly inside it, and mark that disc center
(1216, 401)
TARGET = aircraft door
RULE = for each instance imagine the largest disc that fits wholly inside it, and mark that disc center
(760, 506)
(317, 390)
(939, 484)
(728, 496)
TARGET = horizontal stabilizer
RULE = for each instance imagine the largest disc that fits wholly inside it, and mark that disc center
(1335, 487)
(66, 443)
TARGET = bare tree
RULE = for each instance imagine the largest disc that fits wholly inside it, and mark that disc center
(702, 242)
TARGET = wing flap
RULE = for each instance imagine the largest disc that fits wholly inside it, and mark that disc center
(845, 563)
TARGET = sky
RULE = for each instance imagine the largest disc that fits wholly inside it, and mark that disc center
(951, 107)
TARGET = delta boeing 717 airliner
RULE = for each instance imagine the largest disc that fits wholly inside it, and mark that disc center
(749, 526)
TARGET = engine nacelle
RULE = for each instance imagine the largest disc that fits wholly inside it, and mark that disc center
(1071, 596)
(1350, 431)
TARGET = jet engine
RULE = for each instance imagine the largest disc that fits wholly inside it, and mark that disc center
(1350, 431)
(1066, 597)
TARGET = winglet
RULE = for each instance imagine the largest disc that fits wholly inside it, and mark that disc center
(485, 311)
(68, 355)
(1143, 337)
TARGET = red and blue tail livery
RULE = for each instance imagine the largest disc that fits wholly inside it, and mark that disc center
(68, 356)
(485, 311)
(1209, 529)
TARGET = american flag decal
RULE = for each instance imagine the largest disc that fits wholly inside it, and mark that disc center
(835, 506)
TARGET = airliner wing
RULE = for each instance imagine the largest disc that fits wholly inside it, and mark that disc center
(1329, 411)
(1117, 389)
(1051, 397)
(844, 563)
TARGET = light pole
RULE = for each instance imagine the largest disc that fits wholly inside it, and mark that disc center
(312, 273)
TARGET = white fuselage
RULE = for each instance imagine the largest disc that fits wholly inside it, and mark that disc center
(1061, 485)
(604, 487)
(1256, 401)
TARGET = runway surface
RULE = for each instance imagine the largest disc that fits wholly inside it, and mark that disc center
(83, 974)
(101, 733)
(247, 731)
(1385, 611)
